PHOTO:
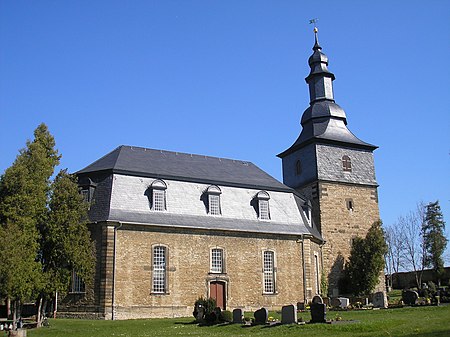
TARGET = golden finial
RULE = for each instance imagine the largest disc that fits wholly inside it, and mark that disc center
(316, 29)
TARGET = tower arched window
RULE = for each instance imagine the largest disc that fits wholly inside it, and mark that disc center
(298, 167)
(346, 164)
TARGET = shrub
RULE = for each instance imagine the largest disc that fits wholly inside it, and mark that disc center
(208, 306)
(226, 316)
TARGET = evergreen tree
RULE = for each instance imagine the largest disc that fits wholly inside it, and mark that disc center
(65, 242)
(24, 189)
(434, 240)
(366, 261)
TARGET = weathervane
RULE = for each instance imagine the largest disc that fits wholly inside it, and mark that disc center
(314, 21)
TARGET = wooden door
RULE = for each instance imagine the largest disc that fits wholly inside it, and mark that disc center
(217, 291)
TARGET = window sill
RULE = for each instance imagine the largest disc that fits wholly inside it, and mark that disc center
(216, 273)
(77, 292)
(159, 294)
(270, 294)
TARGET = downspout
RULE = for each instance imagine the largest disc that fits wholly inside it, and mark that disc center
(304, 269)
(114, 272)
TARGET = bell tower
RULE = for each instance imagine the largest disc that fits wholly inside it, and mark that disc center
(334, 169)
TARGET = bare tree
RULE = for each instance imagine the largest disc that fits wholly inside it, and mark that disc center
(395, 257)
(414, 253)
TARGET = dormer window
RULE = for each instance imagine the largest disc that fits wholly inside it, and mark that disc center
(158, 195)
(212, 195)
(346, 164)
(262, 199)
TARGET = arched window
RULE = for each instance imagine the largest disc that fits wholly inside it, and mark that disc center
(217, 261)
(158, 195)
(298, 167)
(269, 272)
(159, 269)
(262, 198)
(212, 194)
(346, 164)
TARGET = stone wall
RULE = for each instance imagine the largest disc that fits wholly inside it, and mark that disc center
(189, 270)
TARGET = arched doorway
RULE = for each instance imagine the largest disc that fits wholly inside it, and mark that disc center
(218, 292)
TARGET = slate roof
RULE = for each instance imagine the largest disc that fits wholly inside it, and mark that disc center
(165, 219)
(162, 164)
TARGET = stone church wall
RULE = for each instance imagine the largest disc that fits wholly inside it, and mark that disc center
(189, 270)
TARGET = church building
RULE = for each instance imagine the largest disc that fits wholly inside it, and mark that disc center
(171, 227)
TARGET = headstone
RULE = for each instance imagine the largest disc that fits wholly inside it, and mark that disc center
(317, 299)
(199, 313)
(261, 316)
(410, 297)
(380, 300)
(300, 305)
(288, 314)
(344, 302)
(237, 315)
(366, 301)
(335, 302)
(318, 313)
(326, 301)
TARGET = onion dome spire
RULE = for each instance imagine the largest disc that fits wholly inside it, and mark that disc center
(323, 121)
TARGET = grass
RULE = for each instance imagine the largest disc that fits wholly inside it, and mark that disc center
(416, 321)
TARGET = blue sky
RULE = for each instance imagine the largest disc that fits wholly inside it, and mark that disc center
(226, 79)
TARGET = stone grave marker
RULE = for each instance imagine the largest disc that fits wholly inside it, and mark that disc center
(380, 300)
(288, 314)
(237, 315)
(335, 302)
(410, 297)
(261, 316)
(300, 305)
(317, 299)
(318, 313)
(344, 302)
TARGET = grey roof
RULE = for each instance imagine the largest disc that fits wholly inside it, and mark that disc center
(165, 219)
(144, 162)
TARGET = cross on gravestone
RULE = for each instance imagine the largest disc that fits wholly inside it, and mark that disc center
(318, 313)
(288, 314)
(237, 315)
(261, 316)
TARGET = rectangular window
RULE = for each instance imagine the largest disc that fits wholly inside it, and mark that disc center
(264, 209)
(217, 260)
(159, 202)
(78, 285)
(214, 204)
(159, 269)
(85, 194)
(269, 272)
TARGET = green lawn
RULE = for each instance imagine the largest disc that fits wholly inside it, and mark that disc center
(418, 321)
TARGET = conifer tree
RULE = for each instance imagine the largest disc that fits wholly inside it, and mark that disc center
(24, 189)
(366, 261)
(434, 240)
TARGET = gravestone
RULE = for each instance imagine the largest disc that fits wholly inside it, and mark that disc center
(409, 297)
(199, 313)
(344, 302)
(300, 305)
(317, 299)
(288, 314)
(237, 315)
(318, 313)
(261, 316)
(335, 302)
(380, 300)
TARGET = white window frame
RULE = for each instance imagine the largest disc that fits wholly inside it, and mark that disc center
(269, 272)
(262, 198)
(159, 269)
(346, 163)
(217, 265)
(213, 193)
(158, 188)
